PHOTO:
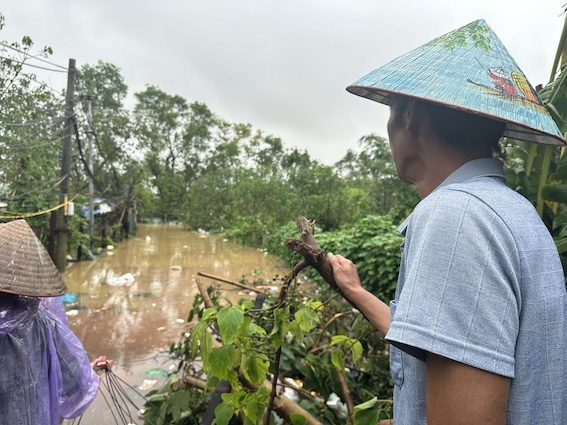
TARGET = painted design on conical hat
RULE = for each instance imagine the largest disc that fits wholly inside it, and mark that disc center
(468, 69)
(25, 265)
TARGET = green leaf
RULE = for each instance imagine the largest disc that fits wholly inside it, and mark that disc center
(254, 329)
(281, 326)
(255, 367)
(366, 417)
(356, 350)
(221, 361)
(297, 419)
(305, 318)
(555, 192)
(338, 360)
(209, 312)
(230, 320)
(369, 404)
(196, 335)
(253, 409)
(339, 339)
(316, 305)
(223, 414)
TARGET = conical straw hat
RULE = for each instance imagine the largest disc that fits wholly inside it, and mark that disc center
(25, 266)
(468, 69)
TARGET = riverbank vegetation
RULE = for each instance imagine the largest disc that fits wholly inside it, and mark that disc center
(174, 159)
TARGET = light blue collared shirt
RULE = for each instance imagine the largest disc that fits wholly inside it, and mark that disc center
(481, 283)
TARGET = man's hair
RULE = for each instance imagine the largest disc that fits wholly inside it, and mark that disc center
(465, 130)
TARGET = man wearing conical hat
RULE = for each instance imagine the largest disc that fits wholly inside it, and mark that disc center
(45, 373)
(478, 327)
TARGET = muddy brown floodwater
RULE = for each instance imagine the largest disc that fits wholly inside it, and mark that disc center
(135, 325)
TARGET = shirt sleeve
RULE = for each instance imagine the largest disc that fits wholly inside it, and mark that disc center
(460, 297)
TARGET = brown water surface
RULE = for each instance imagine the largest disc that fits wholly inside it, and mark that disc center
(135, 325)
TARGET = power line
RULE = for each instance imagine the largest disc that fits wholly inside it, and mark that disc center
(23, 146)
(32, 56)
(44, 85)
(33, 66)
(26, 124)
(49, 185)
(14, 216)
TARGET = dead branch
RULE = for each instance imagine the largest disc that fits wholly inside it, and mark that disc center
(204, 294)
(346, 393)
(231, 282)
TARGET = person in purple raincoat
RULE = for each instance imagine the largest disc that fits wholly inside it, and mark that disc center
(45, 373)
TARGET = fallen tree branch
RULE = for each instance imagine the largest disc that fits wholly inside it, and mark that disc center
(231, 282)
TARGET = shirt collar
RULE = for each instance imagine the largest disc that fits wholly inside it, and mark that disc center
(483, 167)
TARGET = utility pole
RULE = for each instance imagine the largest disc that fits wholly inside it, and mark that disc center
(61, 229)
(90, 135)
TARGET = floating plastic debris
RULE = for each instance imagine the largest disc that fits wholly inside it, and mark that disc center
(69, 298)
(147, 384)
(124, 280)
(157, 372)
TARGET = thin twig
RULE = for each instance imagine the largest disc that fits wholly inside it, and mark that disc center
(231, 282)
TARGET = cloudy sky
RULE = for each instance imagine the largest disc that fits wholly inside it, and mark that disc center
(281, 66)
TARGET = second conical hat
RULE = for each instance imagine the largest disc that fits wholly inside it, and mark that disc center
(25, 265)
(468, 69)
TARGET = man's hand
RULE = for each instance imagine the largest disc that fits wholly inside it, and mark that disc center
(347, 279)
(345, 274)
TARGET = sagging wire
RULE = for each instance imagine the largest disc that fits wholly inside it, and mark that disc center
(50, 185)
(32, 56)
(113, 390)
(15, 216)
(23, 62)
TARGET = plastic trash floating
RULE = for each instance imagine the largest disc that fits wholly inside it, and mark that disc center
(124, 280)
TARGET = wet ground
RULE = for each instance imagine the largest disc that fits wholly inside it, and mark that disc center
(134, 325)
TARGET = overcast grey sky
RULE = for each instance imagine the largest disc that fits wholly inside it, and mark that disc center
(281, 66)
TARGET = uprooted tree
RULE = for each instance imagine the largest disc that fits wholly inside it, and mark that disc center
(306, 360)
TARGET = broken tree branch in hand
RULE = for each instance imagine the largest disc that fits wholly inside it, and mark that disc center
(312, 253)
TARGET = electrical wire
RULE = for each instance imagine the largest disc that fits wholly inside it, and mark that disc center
(27, 215)
(24, 146)
(33, 135)
(32, 65)
(24, 124)
(50, 185)
(32, 56)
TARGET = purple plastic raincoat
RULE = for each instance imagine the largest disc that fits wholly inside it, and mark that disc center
(45, 374)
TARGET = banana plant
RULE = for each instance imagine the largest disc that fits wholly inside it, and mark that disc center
(540, 172)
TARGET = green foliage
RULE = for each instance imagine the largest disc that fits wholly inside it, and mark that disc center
(313, 339)
(173, 405)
